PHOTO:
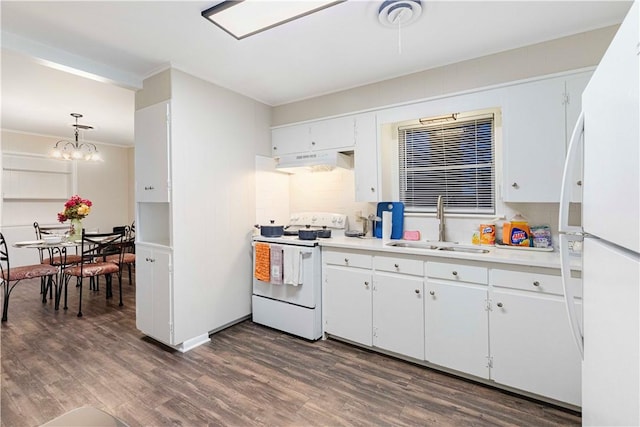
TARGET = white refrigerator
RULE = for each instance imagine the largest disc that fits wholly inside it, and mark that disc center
(606, 142)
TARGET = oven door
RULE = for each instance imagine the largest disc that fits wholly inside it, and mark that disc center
(308, 293)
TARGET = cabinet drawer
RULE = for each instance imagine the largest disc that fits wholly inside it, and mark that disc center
(527, 281)
(414, 267)
(347, 259)
(458, 272)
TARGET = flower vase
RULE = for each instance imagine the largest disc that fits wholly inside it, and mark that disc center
(76, 230)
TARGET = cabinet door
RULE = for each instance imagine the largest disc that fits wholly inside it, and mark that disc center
(152, 153)
(153, 293)
(534, 141)
(290, 139)
(398, 314)
(457, 326)
(532, 346)
(574, 86)
(366, 166)
(333, 133)
(347, 304)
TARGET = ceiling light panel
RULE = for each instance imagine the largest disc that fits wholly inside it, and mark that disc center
(245, 18)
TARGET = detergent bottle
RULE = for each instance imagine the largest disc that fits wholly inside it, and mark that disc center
(516, 232)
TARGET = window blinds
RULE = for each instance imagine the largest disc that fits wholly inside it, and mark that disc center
(453, 159)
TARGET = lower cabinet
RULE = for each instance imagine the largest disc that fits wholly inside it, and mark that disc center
(348, 304)
(154, 311)
(398, 307)
(532, 346)
(456, 318)
(504, 324)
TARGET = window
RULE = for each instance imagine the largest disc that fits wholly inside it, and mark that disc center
(455, 159)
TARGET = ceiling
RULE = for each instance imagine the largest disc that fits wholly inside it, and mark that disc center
(89, 57)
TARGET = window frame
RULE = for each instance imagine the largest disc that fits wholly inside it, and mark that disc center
(495, 176)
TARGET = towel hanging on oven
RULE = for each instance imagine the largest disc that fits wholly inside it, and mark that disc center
(293, 266)
(276, 264)
(263, 262)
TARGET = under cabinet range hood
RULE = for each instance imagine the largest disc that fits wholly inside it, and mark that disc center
(314, 161)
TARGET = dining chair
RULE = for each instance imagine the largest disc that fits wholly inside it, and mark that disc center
(55, 260)
(12, 276)
(129, 256)
(95, 248)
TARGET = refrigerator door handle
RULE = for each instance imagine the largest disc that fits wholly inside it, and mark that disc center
(569, 233)
(569, 291)
(567, 176)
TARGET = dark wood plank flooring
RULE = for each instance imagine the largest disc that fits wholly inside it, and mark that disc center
(249, 375)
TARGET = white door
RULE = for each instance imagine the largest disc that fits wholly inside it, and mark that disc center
(611, 316)
(611, 195)
(347, 304)
(532, 346)
(152, 153)
(398, 314)
(457, 327)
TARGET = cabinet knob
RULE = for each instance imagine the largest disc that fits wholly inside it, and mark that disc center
(149, 259)
(499, 304)
(396, 265)
(366, 284)
(149, 187)
(417, 291)
(373, 190)
(313, 143)
(432, 293)
(275, 148)
(579, 183)
(346, 260)
(455, 273)
(515, 185)
(536, 283)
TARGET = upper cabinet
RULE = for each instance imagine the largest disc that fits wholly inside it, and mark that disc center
(538, 118)
(152, 153)
(366, 159)
(320, 135)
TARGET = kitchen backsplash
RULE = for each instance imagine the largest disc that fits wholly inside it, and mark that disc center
(278, 194)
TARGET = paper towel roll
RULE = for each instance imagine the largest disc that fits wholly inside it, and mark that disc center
(386, 225)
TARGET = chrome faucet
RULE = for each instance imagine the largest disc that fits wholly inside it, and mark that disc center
(440, 217)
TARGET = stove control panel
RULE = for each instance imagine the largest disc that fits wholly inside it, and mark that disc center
(318, 219)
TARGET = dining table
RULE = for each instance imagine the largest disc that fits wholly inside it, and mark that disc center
(57, 250)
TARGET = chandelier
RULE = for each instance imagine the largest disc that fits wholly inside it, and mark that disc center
(74, 150)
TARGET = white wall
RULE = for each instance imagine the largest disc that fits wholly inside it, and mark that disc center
(216, 135)
(108, 185)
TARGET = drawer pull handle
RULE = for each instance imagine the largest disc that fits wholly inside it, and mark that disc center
(499, 304)
(417, 291)
(455, 273)
(432, 293)
(396, 265)
(536, 283)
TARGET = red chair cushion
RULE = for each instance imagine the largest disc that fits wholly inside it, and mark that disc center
(71, 259)
(128, 258)
(93, 269)
(29, 272)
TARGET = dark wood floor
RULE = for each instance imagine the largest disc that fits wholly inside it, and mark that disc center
(249, 375)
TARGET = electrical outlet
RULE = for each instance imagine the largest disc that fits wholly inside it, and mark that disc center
(358, 216)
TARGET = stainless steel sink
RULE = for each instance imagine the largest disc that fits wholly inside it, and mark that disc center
(467, 249)
(439, 246)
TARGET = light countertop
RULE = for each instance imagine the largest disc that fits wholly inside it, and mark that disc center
(500, 255)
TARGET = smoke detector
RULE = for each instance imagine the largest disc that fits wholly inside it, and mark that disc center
(399, 13)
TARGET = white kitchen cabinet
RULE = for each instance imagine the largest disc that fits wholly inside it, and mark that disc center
(366, 159)
(532, 347)
(347, 306)
(321, 135)
(536, 119)
(398, 307)
(154, 311)
(456, 317)
(152, 153)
